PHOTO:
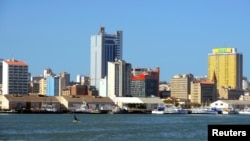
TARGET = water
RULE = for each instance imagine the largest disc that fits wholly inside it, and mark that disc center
(108, 127)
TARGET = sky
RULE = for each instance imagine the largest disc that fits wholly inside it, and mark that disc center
(174, 35)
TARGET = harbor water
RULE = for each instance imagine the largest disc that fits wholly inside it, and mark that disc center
(112, 127)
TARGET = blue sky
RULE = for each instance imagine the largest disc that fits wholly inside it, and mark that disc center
(175, 35)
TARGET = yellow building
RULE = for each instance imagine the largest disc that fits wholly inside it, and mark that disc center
(42, 88)
(227, 65)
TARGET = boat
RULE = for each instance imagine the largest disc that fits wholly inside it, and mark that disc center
(245, 110)
(169, 109)
(75, 120)
(159, 110)
(48, 108)
(118, 110)
(230, 110)
(202, 110)
(83, 109)
(12, 111)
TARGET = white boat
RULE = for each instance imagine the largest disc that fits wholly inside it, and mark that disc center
(245, 110)
(202, 110)
(49, 108)
(169, 109)
(156, 111)
(118, 110)
(230, 110)
(83, 109)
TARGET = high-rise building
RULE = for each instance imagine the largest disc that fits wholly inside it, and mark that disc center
(245, 83)
(145, 82)
(78, 78)
(119, 78)
(47, 72)
(52, 88)
(15, 77)
(66, 76)
(227, 64)
(1, 71)
(43, 86)
(104, 48)
(181, 86)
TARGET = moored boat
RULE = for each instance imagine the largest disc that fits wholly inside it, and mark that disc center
(169, 109)
(231, 110)
(245, 110)
(202, 110)
(83, 109)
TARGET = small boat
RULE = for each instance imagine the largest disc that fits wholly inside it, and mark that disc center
(83, 109)
(117, 110)
(75, 120)
(245, 111)
(230, 110)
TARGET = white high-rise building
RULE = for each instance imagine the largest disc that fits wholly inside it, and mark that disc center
(47, 72)
(119, 78)
(245, 83)
(15, 77)
(78, 78)
(104, 48)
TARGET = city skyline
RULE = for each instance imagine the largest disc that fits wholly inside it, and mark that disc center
(176, 37)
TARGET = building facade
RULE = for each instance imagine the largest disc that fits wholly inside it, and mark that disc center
(66, 77)
(15, 77)
(227, 64)
(1, 71)
(119, 78)
(42, 86)
(34, 86)
(52, 86)
(145, 82)
(104, 48)
(103, 87)
(245, 83)
(79, 90)
(82, 80)
(180, 86)
(203, 92)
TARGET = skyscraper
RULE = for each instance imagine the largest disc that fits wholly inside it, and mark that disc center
(104, 48)
(119, 78)
(15, 77)
(227, 65)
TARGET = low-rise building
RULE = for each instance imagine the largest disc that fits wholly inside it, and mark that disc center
(28, 102)
(225, 104)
